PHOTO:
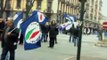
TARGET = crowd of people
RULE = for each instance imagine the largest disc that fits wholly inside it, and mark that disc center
(9, 39)
(9, 36)
(90, 30)
(97, 30)
(50, 30)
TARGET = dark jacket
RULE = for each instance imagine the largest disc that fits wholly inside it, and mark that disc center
(76, 31)
(72, 30)
(43, 28)
(11, 40)
(52, 31)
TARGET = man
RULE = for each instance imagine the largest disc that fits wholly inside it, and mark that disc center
(9, 41)
(52, 34)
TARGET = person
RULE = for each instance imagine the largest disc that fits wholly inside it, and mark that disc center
(21, 39)
(9, 40)
(76, 36)
(56, 31)
(100, 32)
(46, 32)
(52, 34)
(2, 24)
(71, 33)
(43, 29)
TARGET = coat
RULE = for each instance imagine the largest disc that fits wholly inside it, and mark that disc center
(11, 41)
(53, 31)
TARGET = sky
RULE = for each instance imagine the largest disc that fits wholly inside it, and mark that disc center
(104, 8)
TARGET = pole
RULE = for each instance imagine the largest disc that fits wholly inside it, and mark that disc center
(80, 33)
(29, 5)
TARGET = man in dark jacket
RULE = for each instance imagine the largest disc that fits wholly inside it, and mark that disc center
(72, 29)
(52, 34)
(9, 40)
(76, 36)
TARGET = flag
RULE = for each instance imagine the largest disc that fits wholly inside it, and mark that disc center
(18, 19)
(70, 18)
(67, 17)
(68, 27)
(64, 25)
(41, 17)
(31, 32)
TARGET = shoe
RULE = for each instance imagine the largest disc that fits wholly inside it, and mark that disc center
(50, 47)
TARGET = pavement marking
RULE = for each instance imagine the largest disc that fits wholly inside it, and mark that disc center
(69, 58)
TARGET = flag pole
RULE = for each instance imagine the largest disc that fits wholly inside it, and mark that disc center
(29, 5)
(13, 30)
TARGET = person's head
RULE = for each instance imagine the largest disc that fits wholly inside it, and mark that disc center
(1, 20)
(9, 22)
(47, 23)
(53, 22)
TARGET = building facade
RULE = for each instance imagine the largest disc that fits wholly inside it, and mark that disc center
(92, 12)
(70, 7)
(56, 8)
(12, 6)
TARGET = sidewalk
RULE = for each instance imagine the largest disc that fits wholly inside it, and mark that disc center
(87, 58)
(64, 50)
(102, 43)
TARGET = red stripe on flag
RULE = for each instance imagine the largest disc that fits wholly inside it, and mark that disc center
(41, 17)
(34, 34)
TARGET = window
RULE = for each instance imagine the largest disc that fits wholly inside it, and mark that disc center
(18, 4)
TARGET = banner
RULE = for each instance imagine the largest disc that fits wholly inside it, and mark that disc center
(31, 32)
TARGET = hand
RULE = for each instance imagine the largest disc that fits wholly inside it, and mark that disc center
(8, 33)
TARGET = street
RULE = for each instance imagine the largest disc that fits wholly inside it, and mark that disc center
(64, 50)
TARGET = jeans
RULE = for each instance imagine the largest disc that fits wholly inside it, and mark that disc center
(5, 52)
(75, 40)
(70, 37)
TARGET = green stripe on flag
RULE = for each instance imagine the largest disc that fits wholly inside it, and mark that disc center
(28, 34)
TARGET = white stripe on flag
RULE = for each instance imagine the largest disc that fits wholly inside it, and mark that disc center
(14, 18)
(19, 22)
